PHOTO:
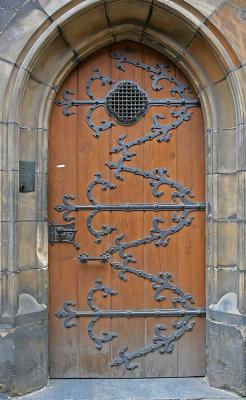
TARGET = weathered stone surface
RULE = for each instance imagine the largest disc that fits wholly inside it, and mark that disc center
(227, 203)
(6, 70)
(221, 95)
(27, 206)
(27, 254)
(205, 7)
(226, 364)
(51, 7)
(9, 146)
(42, 244)
(21, 28)
(9, 294)
(172, 26)
(6, 15)
(24, 357)
(221, 281)
(33, 282)
(227, 243)
(24, 244)
(226, 149)
(28, 144)
(204, 55)
(9, 186)
(32, 102)
(211, 245)
(120, 11)
(8, 245)
(13, 4)
(42, 156)
(7, 364)
(58, 53)
(229, 19)
(84, 25)
(148, 389)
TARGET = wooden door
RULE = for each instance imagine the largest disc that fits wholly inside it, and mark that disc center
(126, 219)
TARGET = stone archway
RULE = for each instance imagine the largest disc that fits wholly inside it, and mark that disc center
(50, 52)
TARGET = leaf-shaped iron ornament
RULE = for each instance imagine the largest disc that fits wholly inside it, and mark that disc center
(126, 102)
(160, 342)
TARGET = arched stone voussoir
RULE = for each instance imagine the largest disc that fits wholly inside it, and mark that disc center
(89, 26)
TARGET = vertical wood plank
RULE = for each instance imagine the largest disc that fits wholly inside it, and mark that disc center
(62, 270)
(71, 143)
(131, 293)
(191, 241)
(92, 154)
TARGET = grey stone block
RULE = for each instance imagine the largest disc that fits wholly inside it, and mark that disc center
(226, 151)
(27, 255)
(6, 15)
(34, 283)
(130, 389)
(23, 358)
(22, 27)
(12, 3)
(227, 202)
(227, 242)
(226, 356)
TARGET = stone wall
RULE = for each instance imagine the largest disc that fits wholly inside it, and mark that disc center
(40, 43)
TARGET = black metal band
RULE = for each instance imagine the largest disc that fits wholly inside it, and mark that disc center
(164, 344)
(119, 103)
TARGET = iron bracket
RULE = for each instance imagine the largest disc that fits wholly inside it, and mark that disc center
(65, 233)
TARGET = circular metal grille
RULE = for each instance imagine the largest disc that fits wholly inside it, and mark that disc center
(127, 102)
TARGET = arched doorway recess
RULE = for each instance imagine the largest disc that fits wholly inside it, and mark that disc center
(74, 32)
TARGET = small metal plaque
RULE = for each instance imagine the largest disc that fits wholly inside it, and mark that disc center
(27, 176)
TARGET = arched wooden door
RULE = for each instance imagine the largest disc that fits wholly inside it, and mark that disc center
(126, 219)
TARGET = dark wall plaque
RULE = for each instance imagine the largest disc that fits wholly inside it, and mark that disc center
(27, 176)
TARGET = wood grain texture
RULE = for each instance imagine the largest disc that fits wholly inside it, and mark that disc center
(71, 143)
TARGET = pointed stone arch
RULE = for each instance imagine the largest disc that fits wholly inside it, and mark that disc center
(63, 36)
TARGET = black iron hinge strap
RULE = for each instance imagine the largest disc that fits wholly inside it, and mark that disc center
(151, 102)
(140, 313)
(135, 207)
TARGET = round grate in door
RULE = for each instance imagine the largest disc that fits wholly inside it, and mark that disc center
(127, 102)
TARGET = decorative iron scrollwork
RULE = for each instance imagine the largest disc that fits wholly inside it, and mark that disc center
(58, 233)
(157, 73)
(159, 236)
(182, 204)
(161, 343)
(126, 102)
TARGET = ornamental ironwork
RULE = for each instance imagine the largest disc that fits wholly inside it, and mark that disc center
(160, 342)
(62, 233)
(127, 102)
(142, 101)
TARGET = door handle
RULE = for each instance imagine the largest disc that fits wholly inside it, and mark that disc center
(85, 258)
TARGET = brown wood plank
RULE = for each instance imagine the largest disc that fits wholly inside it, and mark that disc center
(159, 155)
(92, 153)
(131, 293)
(191, 241)
(62, 270)
(71, 143)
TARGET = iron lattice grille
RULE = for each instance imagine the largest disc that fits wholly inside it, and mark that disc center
(127, 102)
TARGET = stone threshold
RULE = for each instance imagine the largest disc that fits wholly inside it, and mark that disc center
(128, 389)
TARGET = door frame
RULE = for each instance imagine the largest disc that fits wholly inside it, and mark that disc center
(43, 65)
